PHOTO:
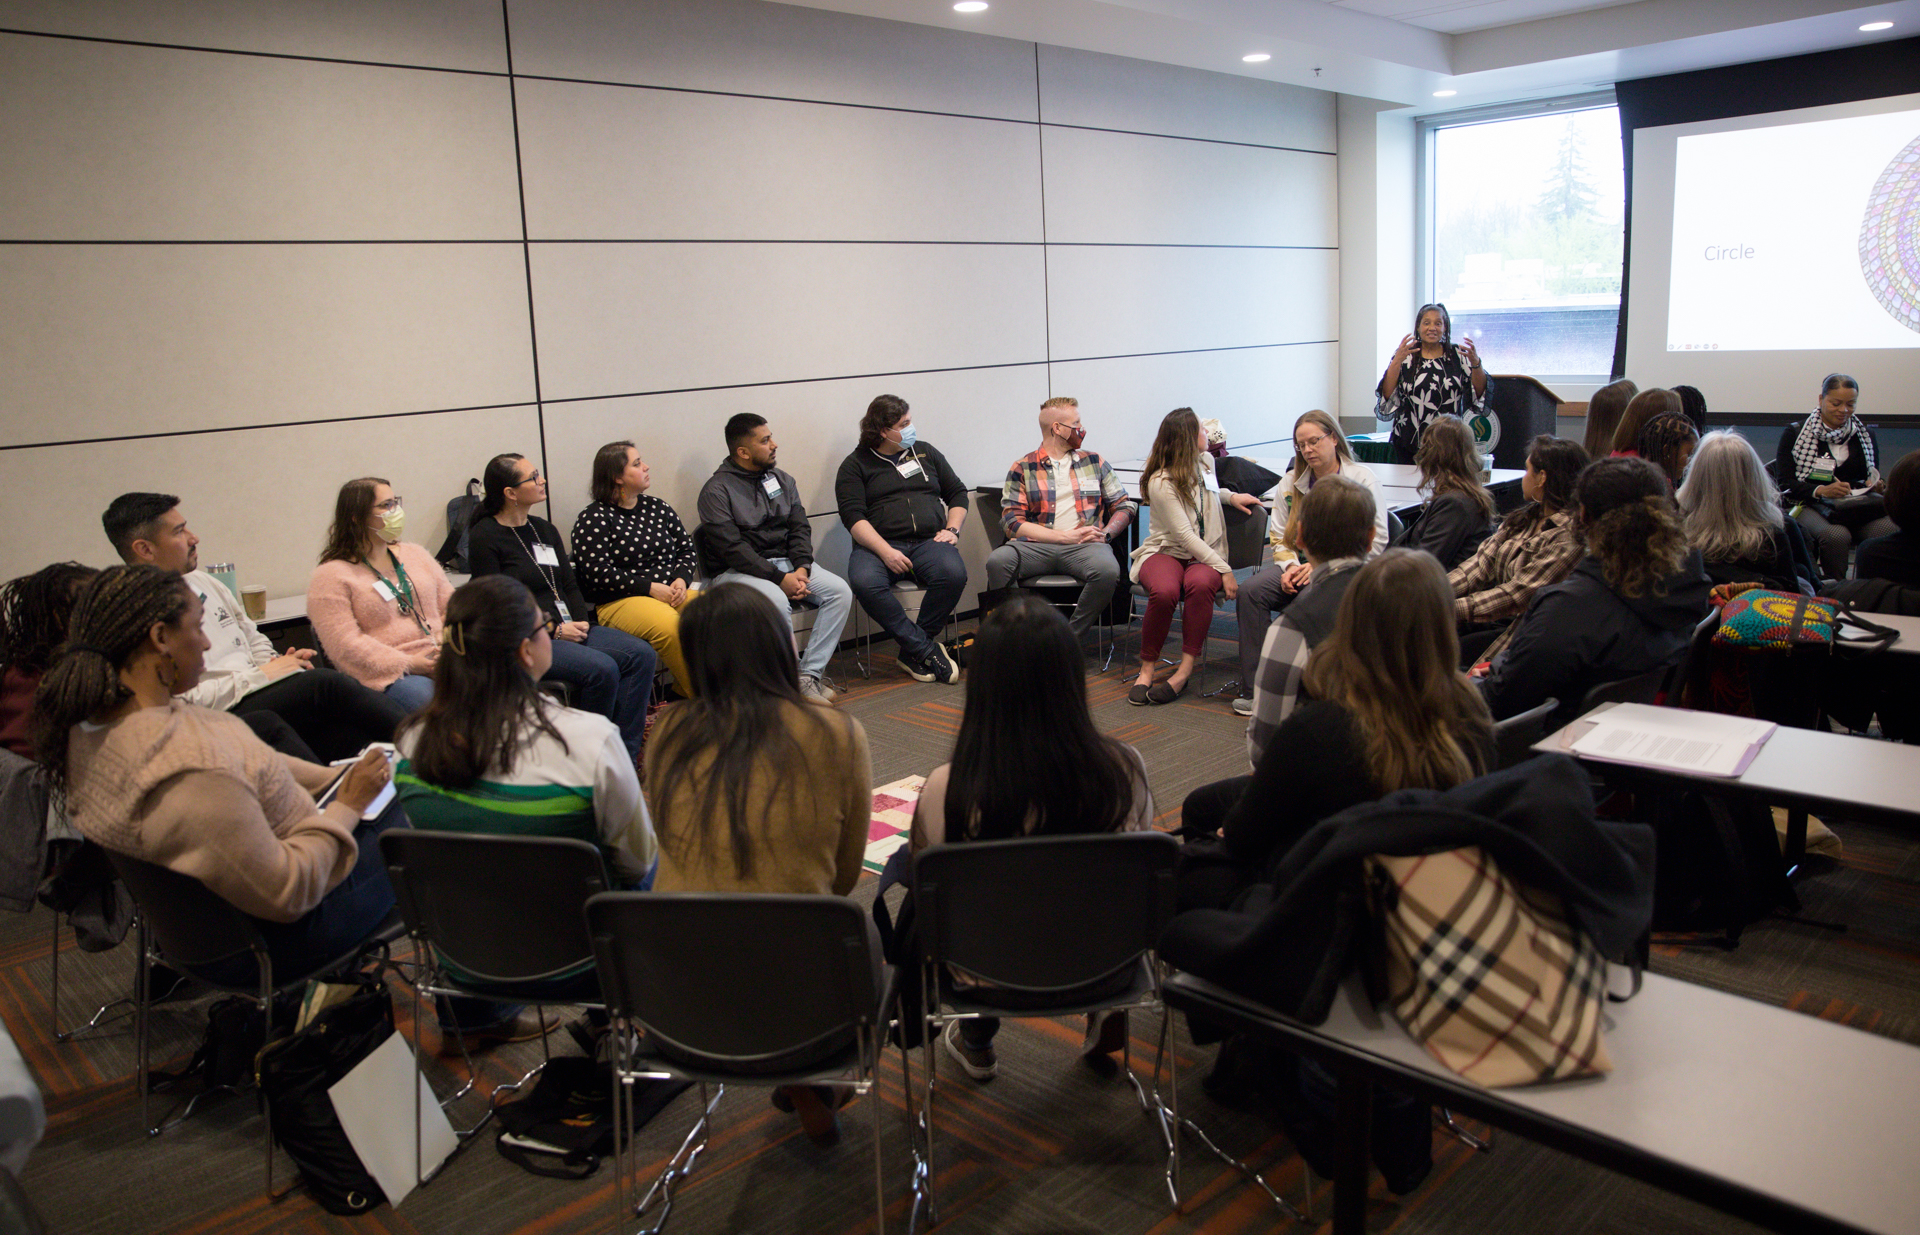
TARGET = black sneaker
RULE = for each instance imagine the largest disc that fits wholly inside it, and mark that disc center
(919, 671)
(943, 666)
(978, 1062)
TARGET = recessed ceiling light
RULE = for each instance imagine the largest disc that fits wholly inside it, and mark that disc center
(971, 6)
(1256, 57)
(1877, 25)
(1445, 94)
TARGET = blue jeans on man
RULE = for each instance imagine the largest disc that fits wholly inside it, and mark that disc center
(828, 590)
(937, 570)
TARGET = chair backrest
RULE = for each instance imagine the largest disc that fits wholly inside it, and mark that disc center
(1396, 530)
(1513, 738)
(1640, 688)
(747, 982)
(1246, 540)
(1043, 913)
(190, 922)
(1691, 680)
(986, 507)
(502, 909)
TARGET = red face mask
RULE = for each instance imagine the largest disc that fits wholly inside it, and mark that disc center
(1075, 437)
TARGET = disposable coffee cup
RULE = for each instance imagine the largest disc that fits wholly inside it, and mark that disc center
(254, 597)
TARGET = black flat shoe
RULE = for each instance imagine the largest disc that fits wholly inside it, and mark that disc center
(1163, 693)
(1138, 696)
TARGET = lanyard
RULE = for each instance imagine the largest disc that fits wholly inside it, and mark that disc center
(547, 571)
(403, 594)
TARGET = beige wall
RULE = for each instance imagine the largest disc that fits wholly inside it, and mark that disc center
(308, 241)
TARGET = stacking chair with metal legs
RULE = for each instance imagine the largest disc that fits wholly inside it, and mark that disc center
(496, 918)
(1043, 926)
(740, 989)
(185, 924)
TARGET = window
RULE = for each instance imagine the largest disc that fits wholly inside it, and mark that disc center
(1524, 209)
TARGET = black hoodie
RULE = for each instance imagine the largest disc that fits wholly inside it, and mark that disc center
(1580, 633)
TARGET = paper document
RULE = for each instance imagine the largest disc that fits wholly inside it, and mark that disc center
(1704, 743)
(375, 1106)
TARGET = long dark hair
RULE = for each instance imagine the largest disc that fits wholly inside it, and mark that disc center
(1450, 463)
(1558, 460)
(1603, 416)
(1176, 451)
(33, 614)
(1393, 660)
(1028, 759)
(739, 652)
(350, 511)
(485, 709)
(1631, 525)
(494, 483)
(110, 622)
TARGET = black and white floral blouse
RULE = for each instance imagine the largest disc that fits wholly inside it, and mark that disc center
(1428, 389)
(619, 552)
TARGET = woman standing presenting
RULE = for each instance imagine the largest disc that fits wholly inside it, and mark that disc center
(1429, 376)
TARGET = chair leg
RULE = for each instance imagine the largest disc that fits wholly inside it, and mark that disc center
(917, 1182)
(53, 1012)
(871, 1050)
(1444, 1118)
(929, 1012)
(141, 1030)
(680, 1165)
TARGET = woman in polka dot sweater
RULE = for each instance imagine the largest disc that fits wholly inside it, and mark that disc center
(633, 556)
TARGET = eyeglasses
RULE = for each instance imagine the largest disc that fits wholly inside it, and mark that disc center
(1308, 443)
(529, 480)
(550, 625)
(390, 505)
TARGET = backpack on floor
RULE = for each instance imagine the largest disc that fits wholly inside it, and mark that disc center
(1716, 863)
(564, 1126)
(294, 1074)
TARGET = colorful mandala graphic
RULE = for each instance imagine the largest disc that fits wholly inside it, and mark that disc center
(1890, 238)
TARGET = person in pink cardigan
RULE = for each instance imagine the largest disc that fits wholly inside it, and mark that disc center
(377, 602)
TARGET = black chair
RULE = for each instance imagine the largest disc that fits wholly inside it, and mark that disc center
(736, 988)
(494, 917)
(1649, 688)
(1513, 738)
(1060, 591)
(1046, 926)
(187, 925)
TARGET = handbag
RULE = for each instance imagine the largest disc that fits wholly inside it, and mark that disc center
(1488, 975)
(1753, 618)
(294, 1074)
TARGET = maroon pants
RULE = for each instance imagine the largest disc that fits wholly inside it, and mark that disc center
(1168, 581)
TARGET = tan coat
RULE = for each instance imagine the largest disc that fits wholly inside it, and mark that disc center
(1176, 532)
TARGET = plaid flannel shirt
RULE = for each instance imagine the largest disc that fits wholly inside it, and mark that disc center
(1028, 493)
(1283, 663)
(1495, 584)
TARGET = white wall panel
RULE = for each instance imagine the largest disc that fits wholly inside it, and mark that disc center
(745, 47)
(105, 340)
(106, 142)
(1121, 301)
(1257, 394)
(606, 162)
(631, 318)
(260, 498)
(455, 34)
(1115, 92)
(1122, 188)
(982, 420)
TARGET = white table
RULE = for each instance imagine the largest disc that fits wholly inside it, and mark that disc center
(1803, 769)
(1776, 1117)
(1909, 628)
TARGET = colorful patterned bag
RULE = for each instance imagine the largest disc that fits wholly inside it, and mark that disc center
(1753, 618)
(1488, 975)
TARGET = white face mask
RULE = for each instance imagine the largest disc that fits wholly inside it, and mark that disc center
(392, 524)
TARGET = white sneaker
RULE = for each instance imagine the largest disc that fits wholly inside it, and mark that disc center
(816, 688)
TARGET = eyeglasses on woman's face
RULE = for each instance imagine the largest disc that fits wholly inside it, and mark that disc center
(389, 506)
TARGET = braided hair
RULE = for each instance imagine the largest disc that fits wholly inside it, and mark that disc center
(33, 615)
(109, 624)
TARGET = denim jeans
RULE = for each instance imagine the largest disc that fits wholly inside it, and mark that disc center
(835, 599)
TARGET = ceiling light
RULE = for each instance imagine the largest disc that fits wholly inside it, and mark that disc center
(1256, 57)
(1445, 94)
(1877, 25)
(971, 6)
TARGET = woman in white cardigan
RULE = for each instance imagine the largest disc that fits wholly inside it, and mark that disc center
(1184, 557)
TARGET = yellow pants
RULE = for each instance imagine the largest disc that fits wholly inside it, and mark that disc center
(659, 624)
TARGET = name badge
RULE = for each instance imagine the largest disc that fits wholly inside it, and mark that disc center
(909, 468)
(383, 589)
(560, 606)
(1208, 479)
(771, 484)
(544, 555)
(1822, 471)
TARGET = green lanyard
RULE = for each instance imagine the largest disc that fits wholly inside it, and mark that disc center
(403, 594)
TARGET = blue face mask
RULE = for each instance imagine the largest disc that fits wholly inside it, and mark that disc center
(908, 437)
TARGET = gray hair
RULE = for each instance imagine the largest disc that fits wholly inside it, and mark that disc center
(1728, 504)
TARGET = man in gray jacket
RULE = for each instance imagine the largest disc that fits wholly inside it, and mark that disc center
(754, 530)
